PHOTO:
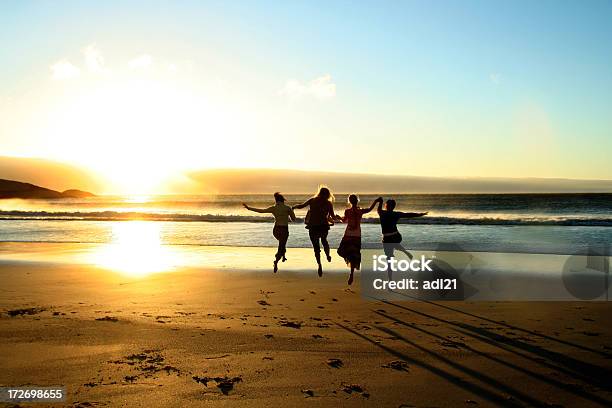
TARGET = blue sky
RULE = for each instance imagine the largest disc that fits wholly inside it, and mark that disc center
(462, 88)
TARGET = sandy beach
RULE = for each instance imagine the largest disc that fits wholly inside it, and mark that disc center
(203, 336)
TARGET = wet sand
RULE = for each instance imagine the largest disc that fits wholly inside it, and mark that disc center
(204, 336)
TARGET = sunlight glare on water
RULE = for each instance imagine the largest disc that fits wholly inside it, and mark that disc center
(137, 199)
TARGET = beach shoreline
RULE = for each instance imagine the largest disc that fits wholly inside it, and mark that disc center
(273, 339)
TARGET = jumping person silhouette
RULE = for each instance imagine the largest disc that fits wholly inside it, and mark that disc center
(350, 246)
(282, 213)
(318, 219)
(388, 223)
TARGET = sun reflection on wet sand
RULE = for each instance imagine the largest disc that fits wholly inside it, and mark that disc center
(136, 250)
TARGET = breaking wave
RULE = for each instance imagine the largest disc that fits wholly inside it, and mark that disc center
(183, 217)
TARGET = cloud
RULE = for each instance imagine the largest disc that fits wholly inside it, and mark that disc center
(141, 62)
(319, 88)
(495, 78)
(63, 70)
(94, 61)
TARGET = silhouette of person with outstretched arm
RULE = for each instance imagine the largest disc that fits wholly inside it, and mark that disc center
(350, 246)
(388, 223)
(282, 214)
(318, 219)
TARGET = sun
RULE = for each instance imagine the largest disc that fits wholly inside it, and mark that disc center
(140, 133)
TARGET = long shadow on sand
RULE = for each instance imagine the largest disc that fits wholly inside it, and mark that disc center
(577, 369)
(563, 386)
(507, 325)
(477, 375)
(493, 397)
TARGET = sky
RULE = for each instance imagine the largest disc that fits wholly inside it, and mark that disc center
(137, 91)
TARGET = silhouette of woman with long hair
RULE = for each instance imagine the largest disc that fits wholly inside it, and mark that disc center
(318, 219)
(282, 214)
(388, 223)
(350, 246)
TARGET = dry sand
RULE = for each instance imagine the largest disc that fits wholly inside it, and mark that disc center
(196, 337)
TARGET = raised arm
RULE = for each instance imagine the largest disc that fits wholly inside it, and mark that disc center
(304, 204)
(258, 210)
(367, 210)
(380, 201)
(291, 214)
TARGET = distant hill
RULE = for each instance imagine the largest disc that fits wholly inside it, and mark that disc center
(55, 175)
(16, 189)
(240, 181)
(74, 193)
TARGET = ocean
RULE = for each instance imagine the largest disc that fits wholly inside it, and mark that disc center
(515, 223)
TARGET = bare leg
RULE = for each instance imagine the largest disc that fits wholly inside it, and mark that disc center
(314, 239)
(281, 235)
(389, 253)
(326, 247)
(277, 257)
(401, 248)
(317, 251)
(280, 253)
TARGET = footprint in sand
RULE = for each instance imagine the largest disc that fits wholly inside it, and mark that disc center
(27, 311)
(334, 362)
(355, 388)
(293, 325)
(399, 365)
(451, 344)
(225, 384)
(148, 363)
(107, 319)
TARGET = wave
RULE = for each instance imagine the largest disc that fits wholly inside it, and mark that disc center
(431, 220)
